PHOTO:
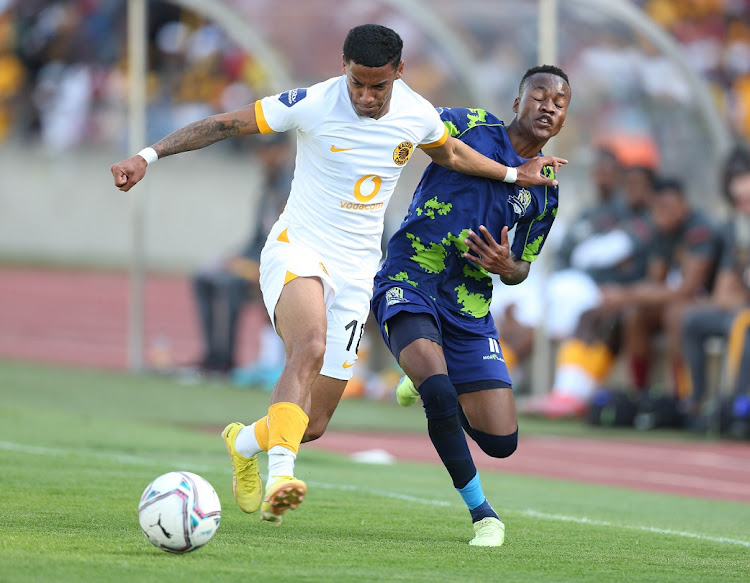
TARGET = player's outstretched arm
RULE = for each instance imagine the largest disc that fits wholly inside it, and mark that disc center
(456, 155)
(194, 136)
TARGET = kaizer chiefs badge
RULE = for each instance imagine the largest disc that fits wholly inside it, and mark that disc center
(402, 153)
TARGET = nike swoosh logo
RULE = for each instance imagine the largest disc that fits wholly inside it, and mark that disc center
(347, 365)
(335, 149)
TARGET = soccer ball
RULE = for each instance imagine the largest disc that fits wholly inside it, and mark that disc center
(179, 512)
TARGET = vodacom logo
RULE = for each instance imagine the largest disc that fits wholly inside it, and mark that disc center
(367, 187)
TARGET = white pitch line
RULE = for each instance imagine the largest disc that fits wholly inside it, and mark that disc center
(654, 529)
(542, 515)
(382, 494)
(139, 460)
(103, 455)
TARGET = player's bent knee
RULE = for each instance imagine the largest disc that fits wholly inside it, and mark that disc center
(498, 446)
(439, 397)
(308, 354)
(314, 348)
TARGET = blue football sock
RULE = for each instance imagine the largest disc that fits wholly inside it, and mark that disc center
(484, 510)
(472, 493)
(474, 497)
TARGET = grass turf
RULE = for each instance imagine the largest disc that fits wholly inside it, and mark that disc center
(78, 447)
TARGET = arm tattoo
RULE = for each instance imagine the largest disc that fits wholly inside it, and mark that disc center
(198, 135)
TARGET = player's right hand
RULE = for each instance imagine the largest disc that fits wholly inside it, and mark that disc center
(530, 172)
(128, 172)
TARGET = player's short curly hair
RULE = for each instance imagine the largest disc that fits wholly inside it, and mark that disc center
(552, 69)
(372, 45)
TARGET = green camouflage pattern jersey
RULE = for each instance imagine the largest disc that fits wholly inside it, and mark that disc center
(427, 250)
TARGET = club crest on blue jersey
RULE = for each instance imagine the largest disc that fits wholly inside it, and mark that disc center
(293, 96)
(520, 201)
(395, 295)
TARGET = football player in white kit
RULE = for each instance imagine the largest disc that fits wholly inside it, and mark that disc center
(355, 133)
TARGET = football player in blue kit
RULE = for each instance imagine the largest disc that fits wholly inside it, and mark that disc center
(355, 134)
(432, 294)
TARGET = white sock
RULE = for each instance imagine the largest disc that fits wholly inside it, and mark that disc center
(246, 444)
(280, 463)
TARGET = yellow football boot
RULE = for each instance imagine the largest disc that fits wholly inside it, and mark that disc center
(406, 393)
(488, 532)
(286, 493)
(246, 485)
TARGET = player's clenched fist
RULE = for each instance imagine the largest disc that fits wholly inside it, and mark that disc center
(129, 172)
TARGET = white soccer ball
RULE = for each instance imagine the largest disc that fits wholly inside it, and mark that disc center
(179, 512)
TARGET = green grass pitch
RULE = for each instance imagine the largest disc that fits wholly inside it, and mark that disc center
(78, 447)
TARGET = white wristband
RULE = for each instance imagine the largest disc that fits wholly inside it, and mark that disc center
(511, 175)
(150, 155)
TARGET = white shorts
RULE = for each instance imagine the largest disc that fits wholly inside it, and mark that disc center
(347, 299)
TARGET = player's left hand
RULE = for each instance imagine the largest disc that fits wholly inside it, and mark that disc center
(484, 250)
(530, 172)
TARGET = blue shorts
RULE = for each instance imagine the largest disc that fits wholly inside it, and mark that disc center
(472, 352)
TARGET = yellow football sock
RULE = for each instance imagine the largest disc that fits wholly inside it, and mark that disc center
(736, 344)
(683, 382)
(600, 361)
(261, 432)
(286, 425)
(581, 368)
(573, 352)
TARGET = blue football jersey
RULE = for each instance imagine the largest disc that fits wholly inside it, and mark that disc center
(427, 250)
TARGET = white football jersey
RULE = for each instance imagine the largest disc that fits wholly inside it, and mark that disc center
(347, 166)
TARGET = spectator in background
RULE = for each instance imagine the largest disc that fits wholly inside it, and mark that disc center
(225, 284)
(63, 91)
(603, 215)
(726, 315)
(606, 246)
(516, 312)
(12, 78)
(681, 267)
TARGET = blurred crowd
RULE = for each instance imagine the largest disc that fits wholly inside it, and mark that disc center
(646, 280)
(63, 63)
(647, 272)
(63, 71)
(715, 35)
